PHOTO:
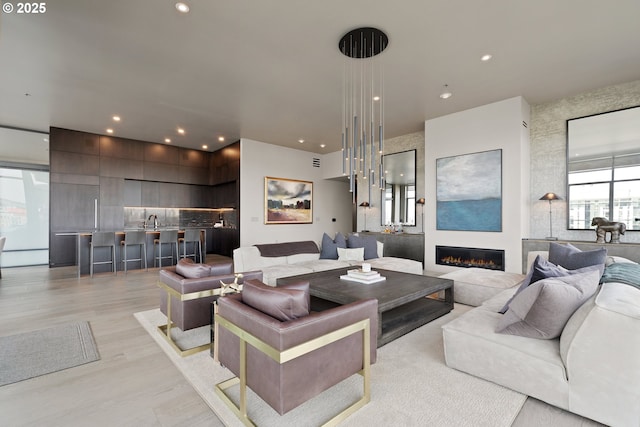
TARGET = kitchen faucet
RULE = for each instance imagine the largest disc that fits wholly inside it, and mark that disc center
(155, 220)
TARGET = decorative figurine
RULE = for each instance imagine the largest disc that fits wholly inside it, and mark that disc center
(605, 226)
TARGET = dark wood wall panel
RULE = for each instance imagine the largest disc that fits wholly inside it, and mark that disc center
(73, 163)
(111, 191)
(193, 175)
(159, 153)
(121, 148)
(121, 168)
(132, 193)
(74, 141)
(65, 178)
(194, 158)
(161, 172)
(72, 206)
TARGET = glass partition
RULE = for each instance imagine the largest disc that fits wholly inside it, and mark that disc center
(24, 216)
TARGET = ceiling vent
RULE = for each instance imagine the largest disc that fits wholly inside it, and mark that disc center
(524, 124)
(316, 162)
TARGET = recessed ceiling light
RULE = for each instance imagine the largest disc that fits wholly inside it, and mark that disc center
(45, 139)
(221, 138)
(376, 98)
(301, 141)
(204, 147)
(109, 130)
(182, 7)
(323, 145)
(116, 118)
(167, 140)
(486, 57)
(181, 131)
(446, 94)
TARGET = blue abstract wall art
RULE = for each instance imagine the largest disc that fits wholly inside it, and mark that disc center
(469, 192)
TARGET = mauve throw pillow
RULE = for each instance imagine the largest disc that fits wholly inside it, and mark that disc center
(279, 303)
(187, 268)
(572, 258)
(542, 269)
(369, 243)
(544, 308)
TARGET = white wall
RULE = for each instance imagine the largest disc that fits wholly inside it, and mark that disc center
(331, 198)
(490, 127)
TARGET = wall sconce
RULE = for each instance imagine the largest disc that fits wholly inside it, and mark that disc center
(421, 202)
(550, 197)
(365, 205)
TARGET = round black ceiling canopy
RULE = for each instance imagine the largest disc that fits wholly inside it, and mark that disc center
(363, 42)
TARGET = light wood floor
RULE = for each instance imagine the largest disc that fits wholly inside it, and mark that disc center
(134, 383)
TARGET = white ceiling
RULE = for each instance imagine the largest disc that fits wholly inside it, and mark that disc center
(271, 70)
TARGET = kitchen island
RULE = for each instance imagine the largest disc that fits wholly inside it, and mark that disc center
(83, 244)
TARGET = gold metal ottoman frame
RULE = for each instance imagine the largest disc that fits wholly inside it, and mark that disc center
(165, 330)
(289, 354)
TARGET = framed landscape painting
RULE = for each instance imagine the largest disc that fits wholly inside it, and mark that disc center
(287, 201)
(469, 192)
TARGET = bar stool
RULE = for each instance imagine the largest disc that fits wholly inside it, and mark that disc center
(191, 235)
(166, 237)
(103, 239)
(134, 238)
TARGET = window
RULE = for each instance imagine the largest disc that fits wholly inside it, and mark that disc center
(603, 168)
(611, 192)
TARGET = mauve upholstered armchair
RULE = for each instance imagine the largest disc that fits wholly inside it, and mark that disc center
(193, 287)
(287, 362)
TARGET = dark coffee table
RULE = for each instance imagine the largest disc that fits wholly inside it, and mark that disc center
(402, 298)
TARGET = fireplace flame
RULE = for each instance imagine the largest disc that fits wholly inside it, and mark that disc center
(473, 262)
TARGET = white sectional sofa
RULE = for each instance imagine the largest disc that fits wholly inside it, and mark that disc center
(592, 369)
(249, 258)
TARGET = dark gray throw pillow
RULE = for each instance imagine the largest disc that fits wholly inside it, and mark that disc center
(369, 243)
(330, 246)
(543, 309)
(572, 258)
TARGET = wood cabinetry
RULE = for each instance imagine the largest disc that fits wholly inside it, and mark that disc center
(223, 241)
(72, 208)
(121, 172)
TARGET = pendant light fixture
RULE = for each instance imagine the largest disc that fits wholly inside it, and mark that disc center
(363, 107)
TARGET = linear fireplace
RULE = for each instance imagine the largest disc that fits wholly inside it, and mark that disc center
(492, 259)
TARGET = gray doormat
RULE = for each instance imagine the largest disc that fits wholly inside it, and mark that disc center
(31, 354)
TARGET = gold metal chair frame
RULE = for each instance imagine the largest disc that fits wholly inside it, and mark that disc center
(290, 354)
(165, 330)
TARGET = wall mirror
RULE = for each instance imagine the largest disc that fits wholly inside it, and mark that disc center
(603, 169)
(399, 195)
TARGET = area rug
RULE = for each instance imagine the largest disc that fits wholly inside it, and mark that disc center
(31, 354)
(410, 385)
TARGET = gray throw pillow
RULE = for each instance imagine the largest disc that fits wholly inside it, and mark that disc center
(543, 269)
(572, 258)
(279, 303)
(330, 246)
(544, 308)
(369, 243)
